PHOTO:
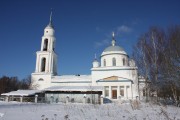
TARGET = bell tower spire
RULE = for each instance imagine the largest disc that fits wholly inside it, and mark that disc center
(50, 20)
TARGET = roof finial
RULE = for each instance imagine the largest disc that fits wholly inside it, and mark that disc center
(113, 40)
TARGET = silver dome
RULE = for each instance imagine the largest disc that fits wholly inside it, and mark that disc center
(113, 48)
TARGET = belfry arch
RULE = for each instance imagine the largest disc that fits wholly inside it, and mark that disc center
(45, 47)
(43, 65)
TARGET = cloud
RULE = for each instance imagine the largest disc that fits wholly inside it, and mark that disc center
(123, 29)
(101, 43)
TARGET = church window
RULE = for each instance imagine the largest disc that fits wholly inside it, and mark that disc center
(114, 62)
(104, 62)
(123, 62)
(45, 45)
(41, 79)
(122, 91)
(43, 65)
(106, 91)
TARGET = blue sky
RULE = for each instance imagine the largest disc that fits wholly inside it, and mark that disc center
(83, 28)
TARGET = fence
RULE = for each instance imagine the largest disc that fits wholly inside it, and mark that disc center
(35, 99)
(73, 98)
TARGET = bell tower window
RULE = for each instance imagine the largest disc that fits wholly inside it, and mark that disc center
(43, 65)
(104, 62)
(45, 45)
(114, 62)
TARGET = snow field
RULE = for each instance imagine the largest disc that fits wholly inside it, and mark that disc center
(113, 111)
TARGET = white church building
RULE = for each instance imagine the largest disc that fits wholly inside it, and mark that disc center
(113, 77)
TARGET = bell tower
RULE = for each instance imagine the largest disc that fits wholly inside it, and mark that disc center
(46, 61)
(46, 58)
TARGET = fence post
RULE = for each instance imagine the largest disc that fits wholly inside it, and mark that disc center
(52, 99)
(102, 102)
(7, 99)
(36, 98)
(21, 99)
(84, 99)
(67, 98)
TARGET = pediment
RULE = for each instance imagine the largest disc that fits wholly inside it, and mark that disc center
(111, 78)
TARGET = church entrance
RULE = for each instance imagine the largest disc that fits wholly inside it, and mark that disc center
(114, 92)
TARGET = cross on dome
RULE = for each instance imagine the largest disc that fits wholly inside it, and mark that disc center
(113, 40)
(113, 34)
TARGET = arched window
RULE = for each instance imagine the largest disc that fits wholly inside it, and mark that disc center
(43, 65)
(114, 62)
(123, 62)
(104, 62)
(45, 45)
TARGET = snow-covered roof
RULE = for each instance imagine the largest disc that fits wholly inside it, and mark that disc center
(71, 78)
(74, 88)
(22, 92)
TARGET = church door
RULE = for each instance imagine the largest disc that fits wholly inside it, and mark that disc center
(114, 94)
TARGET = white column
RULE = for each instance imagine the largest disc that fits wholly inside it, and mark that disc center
(103, 92)
(21, 99)
(7, 99)
(125, 92)
(131, 91)
(110, 92)
(118, 92)
(102, 102)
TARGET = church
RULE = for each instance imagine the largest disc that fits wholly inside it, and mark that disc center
(114, 77)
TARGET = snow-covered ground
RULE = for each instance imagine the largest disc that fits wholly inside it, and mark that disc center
(74, 111)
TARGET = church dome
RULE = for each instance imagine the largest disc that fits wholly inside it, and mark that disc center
(114, 55)
(113, 49)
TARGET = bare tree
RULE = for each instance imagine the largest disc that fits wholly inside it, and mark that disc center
(157, 57)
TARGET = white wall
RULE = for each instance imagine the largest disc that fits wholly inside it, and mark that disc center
(119, 60)
(100, 73)
(38, 84)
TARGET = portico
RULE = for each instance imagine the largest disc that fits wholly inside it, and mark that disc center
(118, 91)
